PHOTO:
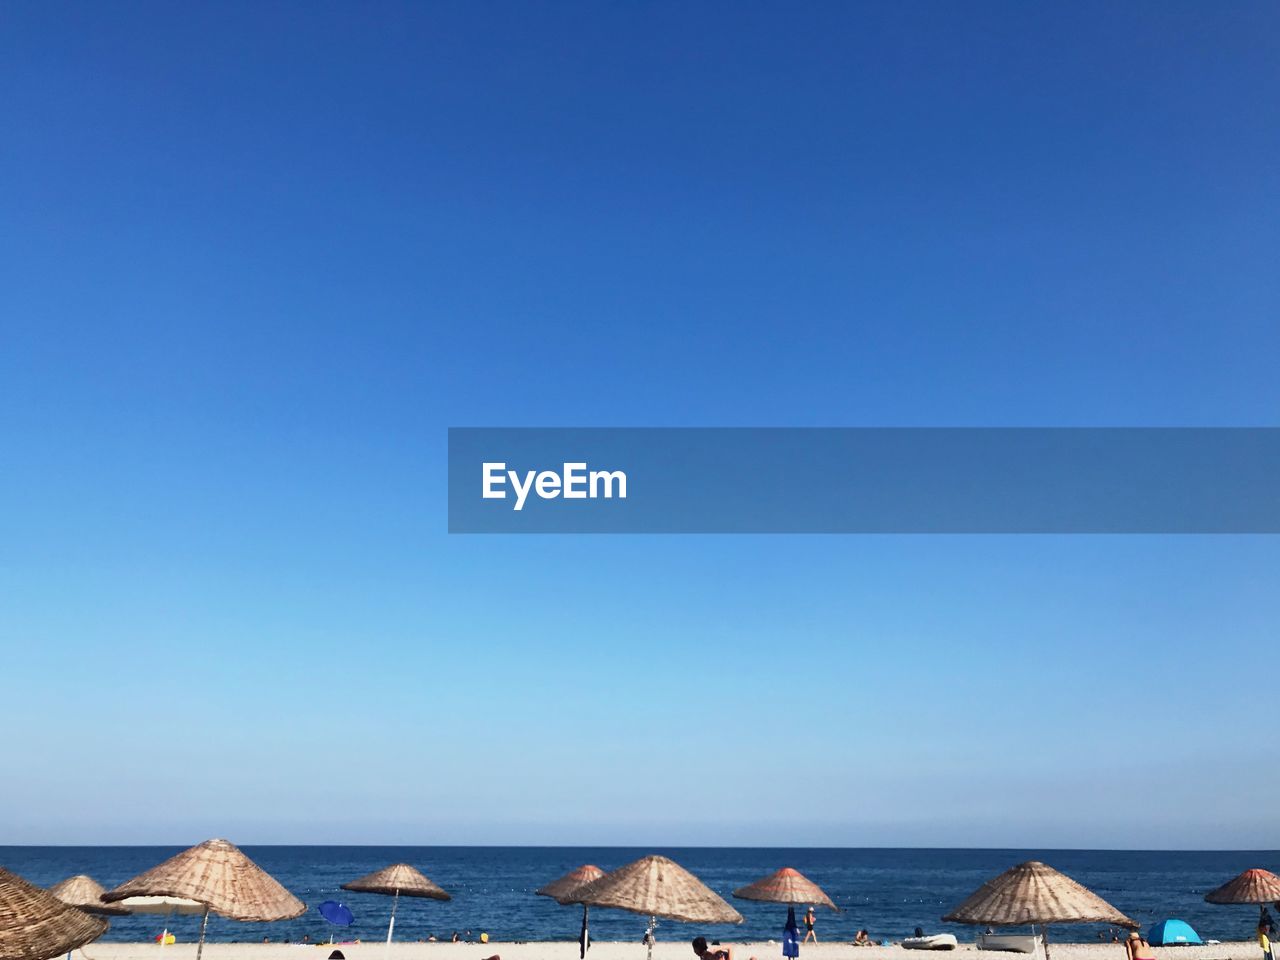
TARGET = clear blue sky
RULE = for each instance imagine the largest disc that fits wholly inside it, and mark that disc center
(255, 259)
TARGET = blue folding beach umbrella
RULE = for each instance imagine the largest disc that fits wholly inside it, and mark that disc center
(791, 935)
(1168, 933)
(339, 914)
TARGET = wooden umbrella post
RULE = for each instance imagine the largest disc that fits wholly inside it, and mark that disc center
(649, 935)
(583, 946)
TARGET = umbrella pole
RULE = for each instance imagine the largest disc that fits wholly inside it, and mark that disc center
(1046, 943)
(395, 902)
(649, 935)
(583, 951)
(203, 924)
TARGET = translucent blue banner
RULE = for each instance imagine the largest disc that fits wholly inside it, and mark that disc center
(858, 480)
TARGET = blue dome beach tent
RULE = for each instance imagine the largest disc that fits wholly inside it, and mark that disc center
(1168, 933)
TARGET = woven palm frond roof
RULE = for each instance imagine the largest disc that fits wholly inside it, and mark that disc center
(36, 925)
(1034, 892)
(564, 888)
(398, 878)
(656, 886)
(1252, 886)
(219, 875)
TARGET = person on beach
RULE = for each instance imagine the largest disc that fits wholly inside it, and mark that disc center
(863, 939)
(706, 953)
(809, 920)
(1138, 948)
(1264, 938)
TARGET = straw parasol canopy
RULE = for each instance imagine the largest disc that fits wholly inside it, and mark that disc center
(394, 880)
(1035, 893)
(399, 878)
(1252, 886)
(657, 887)
(563, 889)
(86, 893)
(786, 886)
(36, 925)
(219, 875)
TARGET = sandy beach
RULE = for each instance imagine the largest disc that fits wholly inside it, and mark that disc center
(601, 950)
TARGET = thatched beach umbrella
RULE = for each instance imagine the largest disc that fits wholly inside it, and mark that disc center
(562, 891)
(397, 879)
(219, 876)
(1253, 886)
(86, 893)
(1035, 893)
(657, 887)
(786, 886)
(36, 925)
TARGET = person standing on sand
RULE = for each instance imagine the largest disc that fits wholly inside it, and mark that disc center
(809, 920)
(1264, 938)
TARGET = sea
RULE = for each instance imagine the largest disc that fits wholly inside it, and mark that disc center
(890, 892)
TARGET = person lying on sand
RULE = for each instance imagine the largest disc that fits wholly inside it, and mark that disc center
(702, 950)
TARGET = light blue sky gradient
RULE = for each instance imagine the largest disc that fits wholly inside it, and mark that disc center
(257, 258)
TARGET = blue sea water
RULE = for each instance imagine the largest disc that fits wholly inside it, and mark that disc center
(888, 891)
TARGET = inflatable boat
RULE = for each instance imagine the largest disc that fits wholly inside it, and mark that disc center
(939, 941)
